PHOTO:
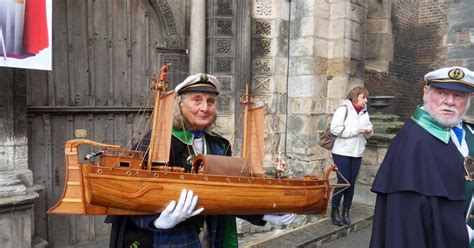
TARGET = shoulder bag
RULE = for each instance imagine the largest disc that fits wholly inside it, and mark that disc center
(327, 138)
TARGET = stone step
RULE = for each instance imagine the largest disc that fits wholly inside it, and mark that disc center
(384, 118)
(314, 234)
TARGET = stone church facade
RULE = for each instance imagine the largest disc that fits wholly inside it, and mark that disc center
(300, 57)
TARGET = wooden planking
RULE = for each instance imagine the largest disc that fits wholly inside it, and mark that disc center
(77, 59)
(85, 225)
(119, 45)
(37, 80)
(95, 127)
(101, 56)
(139, 79)
(110, 53)
(91, 51)
(60, 56)
(104, 55)
(42, 174)
(55, 128)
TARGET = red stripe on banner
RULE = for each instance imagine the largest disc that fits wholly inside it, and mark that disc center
(35, 33)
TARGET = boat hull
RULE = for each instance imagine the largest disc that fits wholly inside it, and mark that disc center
(152, 192)
(119, 185)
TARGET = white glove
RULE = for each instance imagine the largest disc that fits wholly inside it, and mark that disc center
(470, 232)
(172, 215)
(277, 219)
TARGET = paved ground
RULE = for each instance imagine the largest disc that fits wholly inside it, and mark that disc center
(359, 239)
(322, 233)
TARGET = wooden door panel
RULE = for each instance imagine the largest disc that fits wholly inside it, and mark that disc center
(105, 54)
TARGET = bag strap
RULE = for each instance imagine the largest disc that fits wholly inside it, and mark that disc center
(344, 126)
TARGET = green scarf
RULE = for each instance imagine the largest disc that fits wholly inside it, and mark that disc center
(424, 120)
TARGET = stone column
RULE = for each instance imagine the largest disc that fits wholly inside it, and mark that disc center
(346, 48)
(197, 43)
(16, 180)
(379, 37)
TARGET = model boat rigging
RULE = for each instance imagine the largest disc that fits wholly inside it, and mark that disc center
(130, 182)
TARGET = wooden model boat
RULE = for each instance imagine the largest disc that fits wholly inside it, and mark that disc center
(121, 183)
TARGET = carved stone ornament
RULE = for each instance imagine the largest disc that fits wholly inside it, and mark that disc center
(224, 8)
(263, 47)
(168, 15)
(224, 103)
(262, 66)
(223, 65)
(226, 83)
(262, 84)
(263, 7)
(263, 28)
(223, 46)
(224, 27)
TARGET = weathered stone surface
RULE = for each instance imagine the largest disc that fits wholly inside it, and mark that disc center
(308, 26)
(358, 13)
(306, 8)
(379, 26)
(321, 66)
(370, 157)
(379, 9)
(302, 46)
(321, 27)
(338, 29)
(280, 65)
(301, 86)
(339, 10)
(338, 87)
(15, 230)
(380, 46)
(338, 67)
(302, 65)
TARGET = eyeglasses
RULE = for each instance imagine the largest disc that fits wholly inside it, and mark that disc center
(469, 168)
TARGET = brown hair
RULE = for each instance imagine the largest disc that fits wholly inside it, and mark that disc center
(355, 92)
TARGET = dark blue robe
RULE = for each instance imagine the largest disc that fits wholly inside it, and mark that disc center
(420, 193)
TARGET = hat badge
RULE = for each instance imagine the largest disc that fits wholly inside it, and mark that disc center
(456, 74)
(204, 78)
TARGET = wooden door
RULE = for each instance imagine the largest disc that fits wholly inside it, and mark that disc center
(104, 56)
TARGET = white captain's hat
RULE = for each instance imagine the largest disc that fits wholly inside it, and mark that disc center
(200, 82)
(452, 78)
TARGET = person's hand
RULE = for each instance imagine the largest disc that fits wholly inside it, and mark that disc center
(279, 219)
(470, 232)
(364, 130)
(176, 213)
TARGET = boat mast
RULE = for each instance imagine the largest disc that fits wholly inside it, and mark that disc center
(245, 100)
(162, 120)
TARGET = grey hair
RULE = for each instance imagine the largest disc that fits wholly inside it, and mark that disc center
(425, 105)
(178, 119)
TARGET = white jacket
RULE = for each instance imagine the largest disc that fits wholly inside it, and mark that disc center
(351, 143)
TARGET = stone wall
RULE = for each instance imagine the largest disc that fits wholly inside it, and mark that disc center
(16, 180)
(427, 35)
(401, 79)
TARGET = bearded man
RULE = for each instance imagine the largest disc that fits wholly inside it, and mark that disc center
(422, 183)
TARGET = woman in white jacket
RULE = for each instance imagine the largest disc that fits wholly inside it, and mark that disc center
(353, 131)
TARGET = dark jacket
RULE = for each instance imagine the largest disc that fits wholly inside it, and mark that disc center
(125, 231)
(420, 193)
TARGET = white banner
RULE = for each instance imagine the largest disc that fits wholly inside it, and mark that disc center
(25, 34)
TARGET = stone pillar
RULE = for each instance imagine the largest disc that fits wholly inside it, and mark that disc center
(16, 180)
(346, 48)
(197, 43)
(379, 36)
